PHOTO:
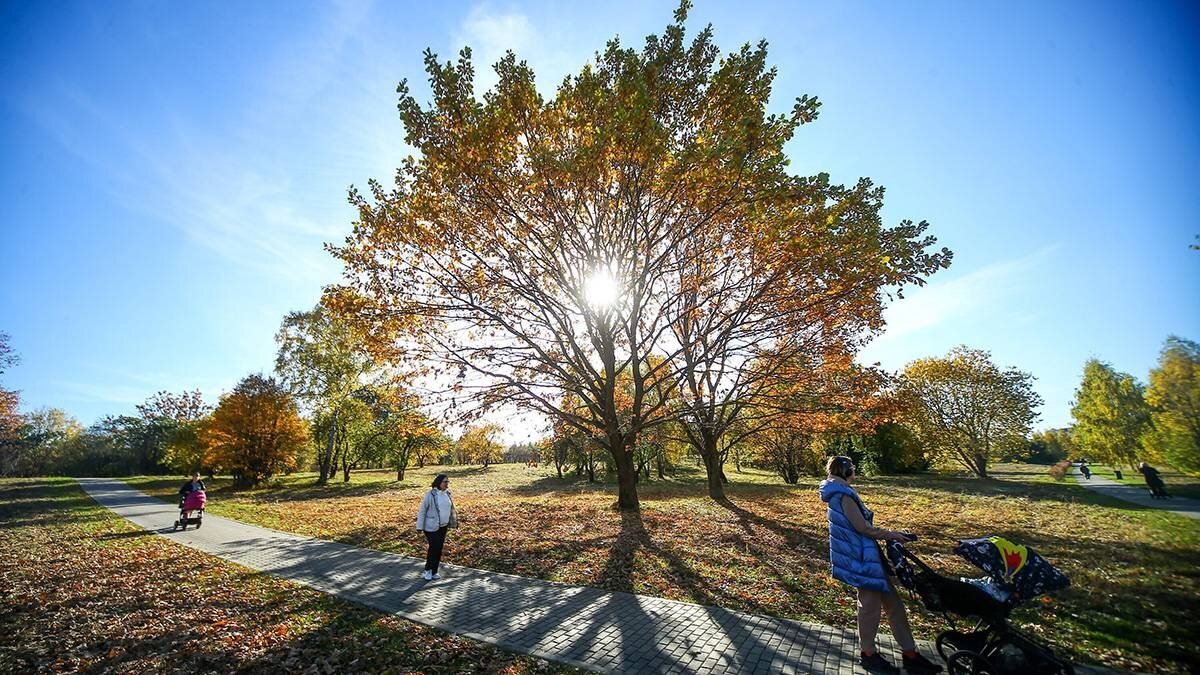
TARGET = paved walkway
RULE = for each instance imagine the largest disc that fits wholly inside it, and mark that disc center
(585, 627)
(1134, 490)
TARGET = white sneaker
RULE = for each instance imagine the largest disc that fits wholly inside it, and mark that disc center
(427, 575)
(437, 576)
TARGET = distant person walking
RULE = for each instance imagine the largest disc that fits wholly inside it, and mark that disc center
(1154, 481)
(435, 517)
(858, 561)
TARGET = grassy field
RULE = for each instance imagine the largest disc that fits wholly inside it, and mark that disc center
(82, 590)
(1132, 603)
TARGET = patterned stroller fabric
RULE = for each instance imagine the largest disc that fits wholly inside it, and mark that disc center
(1010, 567)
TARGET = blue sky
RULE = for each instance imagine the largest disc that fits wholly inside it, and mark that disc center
(171, 170)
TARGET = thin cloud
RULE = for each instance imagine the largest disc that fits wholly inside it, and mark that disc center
(491, 32)
(939, 302)
(242, 189)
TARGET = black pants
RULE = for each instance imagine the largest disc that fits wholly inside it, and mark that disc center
(436, 541)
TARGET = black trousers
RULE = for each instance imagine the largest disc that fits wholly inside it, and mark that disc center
(436, 541)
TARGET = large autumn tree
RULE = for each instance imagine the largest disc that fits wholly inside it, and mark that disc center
(256, 431)
(1174, 400)
(1110, 414)
(964, 407)
(536, 247)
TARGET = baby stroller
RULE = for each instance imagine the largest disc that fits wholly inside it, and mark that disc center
(1015, 574)
(191, 510)
(1154, 481)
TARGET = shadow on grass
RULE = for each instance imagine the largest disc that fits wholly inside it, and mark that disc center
(278, 491)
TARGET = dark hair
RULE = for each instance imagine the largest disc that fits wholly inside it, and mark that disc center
(840, 466)
(438, 481)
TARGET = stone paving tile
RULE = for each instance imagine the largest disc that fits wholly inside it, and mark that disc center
(585, 627)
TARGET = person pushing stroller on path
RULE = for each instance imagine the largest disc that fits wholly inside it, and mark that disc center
(193, 485)
(858, 561)
(1154, 481)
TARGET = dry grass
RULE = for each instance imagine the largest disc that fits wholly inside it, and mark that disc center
(1134, 571)
(84, 590)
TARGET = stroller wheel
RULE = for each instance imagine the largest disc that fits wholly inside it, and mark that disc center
(967, 662)
(175, 526)
(199, 523)
(951, 641)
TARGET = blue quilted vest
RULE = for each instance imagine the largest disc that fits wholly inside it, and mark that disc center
(855, 557)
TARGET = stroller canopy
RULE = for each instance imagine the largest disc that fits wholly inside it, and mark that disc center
(1026, 572)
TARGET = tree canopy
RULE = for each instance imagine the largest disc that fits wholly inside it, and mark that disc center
(256, 430)
(539, 246)
(1174, 399)
(1110, 415)
(964, 407)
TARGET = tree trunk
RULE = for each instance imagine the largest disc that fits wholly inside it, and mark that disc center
(400, 474)
(326, 469)
(627, 499)
(712, 468)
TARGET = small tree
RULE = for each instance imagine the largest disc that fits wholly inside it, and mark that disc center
(479, 444)
(256, 431)
(186, 451)
(46, 433)
(1174, 399)
(406, 434)
(964, 407)
(179, 416)
(1050, 446)
(322, 361)
(1110, 415)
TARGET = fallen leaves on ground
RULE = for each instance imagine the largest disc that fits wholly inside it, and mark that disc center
(1131, 604)
(83, 590)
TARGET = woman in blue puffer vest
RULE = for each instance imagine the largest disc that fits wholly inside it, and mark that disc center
(858, 561)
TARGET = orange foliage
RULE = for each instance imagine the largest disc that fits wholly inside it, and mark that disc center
(256, 431)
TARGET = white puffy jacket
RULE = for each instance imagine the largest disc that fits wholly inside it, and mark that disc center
(435, 510)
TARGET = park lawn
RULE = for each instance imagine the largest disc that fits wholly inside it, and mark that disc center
(1134, 571)
(84, 590)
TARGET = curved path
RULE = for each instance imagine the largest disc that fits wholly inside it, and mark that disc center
(1136, 492)
(585, 627)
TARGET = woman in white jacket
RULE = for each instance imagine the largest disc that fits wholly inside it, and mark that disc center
(434, 518)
